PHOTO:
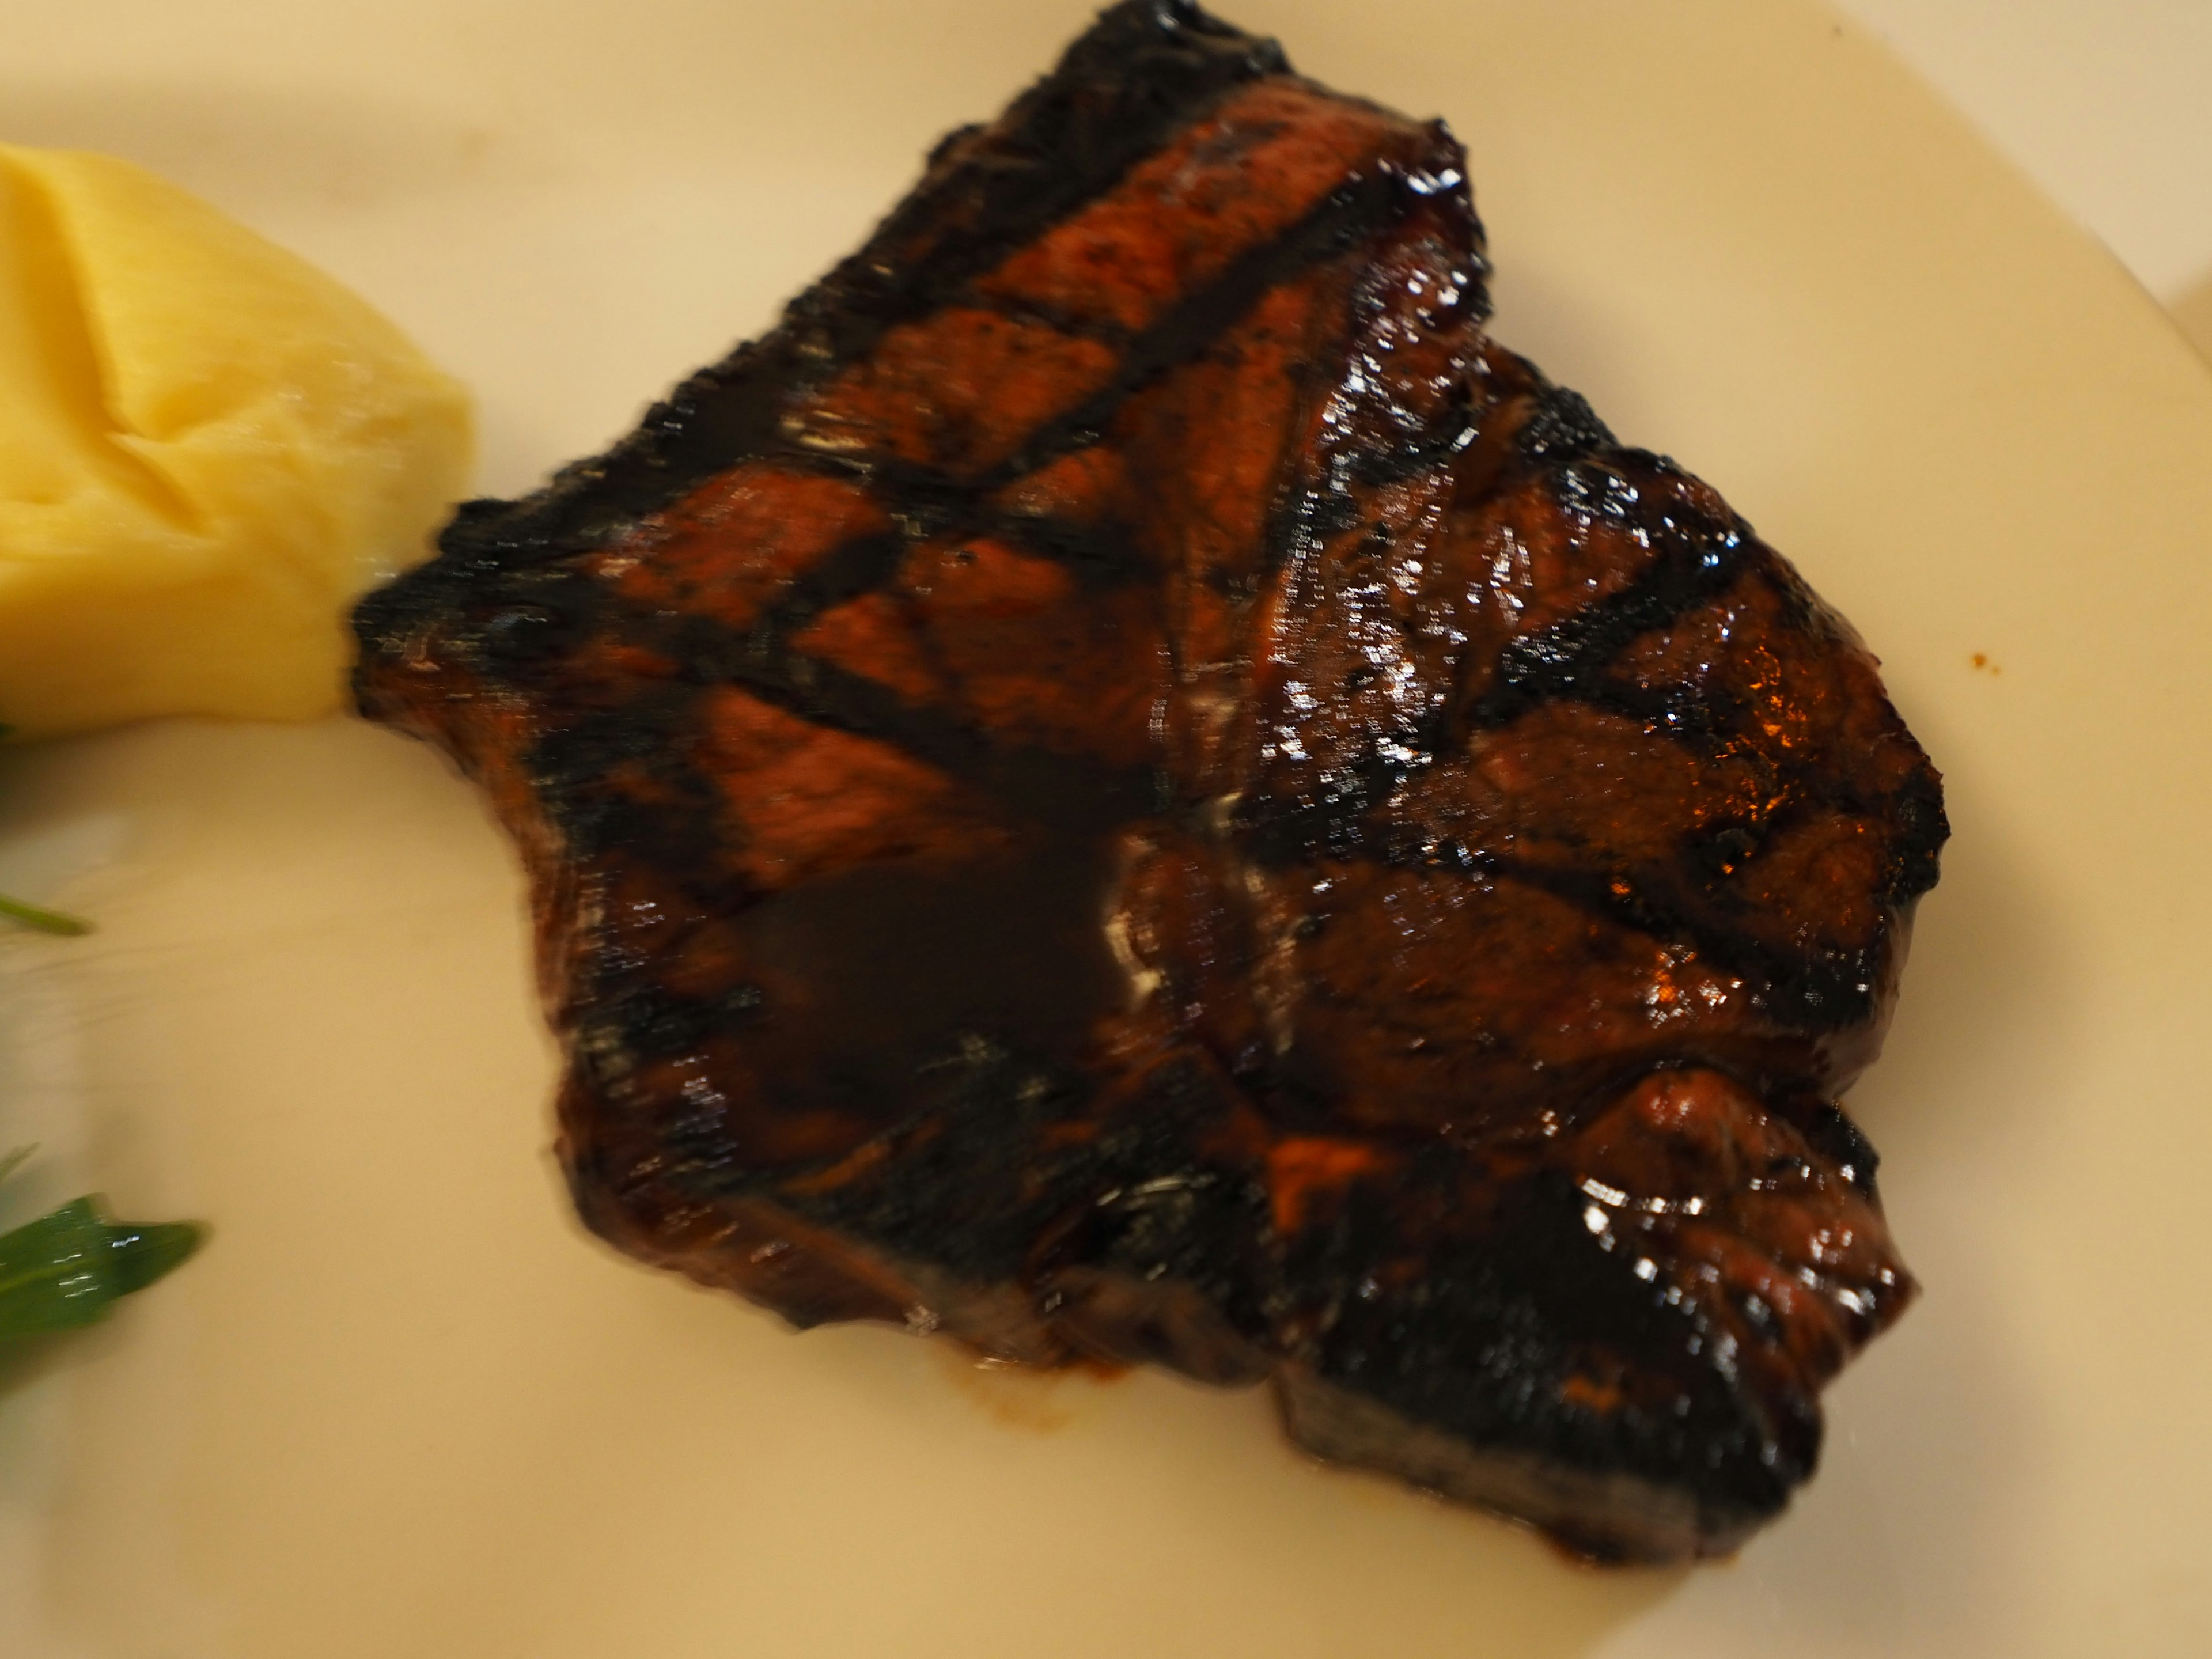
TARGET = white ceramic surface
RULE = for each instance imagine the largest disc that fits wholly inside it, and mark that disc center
(402, 1407)
(2101, 102)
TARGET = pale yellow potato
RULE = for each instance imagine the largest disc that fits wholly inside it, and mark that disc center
(207, 449)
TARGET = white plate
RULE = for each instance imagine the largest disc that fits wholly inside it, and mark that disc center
(403, 1406)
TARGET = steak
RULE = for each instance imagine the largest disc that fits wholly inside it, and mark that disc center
(1126, 784)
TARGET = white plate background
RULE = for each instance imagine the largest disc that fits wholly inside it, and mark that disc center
(401, 1407)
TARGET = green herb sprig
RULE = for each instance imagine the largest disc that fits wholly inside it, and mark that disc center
(69, 1267)
(38, 918)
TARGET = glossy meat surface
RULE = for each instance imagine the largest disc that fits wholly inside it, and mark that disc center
(1128, 783)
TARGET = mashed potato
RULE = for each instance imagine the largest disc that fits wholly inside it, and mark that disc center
(208, 448)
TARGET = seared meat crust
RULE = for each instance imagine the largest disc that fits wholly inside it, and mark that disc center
(1128, 783)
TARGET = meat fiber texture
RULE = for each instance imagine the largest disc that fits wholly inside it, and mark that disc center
(1129, 784)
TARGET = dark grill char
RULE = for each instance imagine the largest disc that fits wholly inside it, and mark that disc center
(1127, 782)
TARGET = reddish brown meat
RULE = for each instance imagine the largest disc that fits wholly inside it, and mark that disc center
(1128, 783)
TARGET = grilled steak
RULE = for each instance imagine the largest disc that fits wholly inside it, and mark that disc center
(1129, 784)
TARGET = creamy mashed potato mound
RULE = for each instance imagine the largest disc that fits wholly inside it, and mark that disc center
(208, 448)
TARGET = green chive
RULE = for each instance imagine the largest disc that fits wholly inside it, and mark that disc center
(45, 921)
